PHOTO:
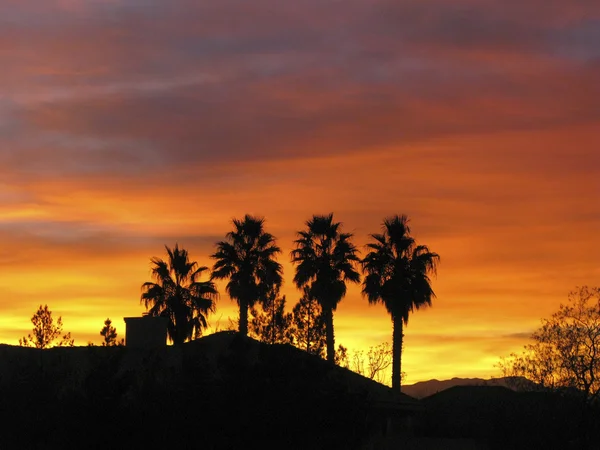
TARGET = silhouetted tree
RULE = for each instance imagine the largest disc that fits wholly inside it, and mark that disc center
(565, 353)
(272, 324)
(397, 274)
(45, 332)
(308, 325)
(341, 357)
(325, 260)
(247, 259)
(564, 358)
(109, 333)
(178, 294)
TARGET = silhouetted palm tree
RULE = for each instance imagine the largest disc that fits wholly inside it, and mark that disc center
(326, 261)
(247, 259)
(177, 294)
(397, 275)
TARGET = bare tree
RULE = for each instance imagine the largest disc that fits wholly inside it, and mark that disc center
(565, 353)
(377, 363)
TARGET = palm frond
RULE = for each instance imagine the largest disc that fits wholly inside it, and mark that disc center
(397, 269)
(324, 257)
(178, 294)
(247, 258)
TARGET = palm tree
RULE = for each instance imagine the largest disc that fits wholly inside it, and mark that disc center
(326, 261)
(177, 294)
(247, 259)
(397, 274)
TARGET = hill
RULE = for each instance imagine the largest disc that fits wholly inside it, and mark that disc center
(218, 392)
(507, 419)
(226, 392)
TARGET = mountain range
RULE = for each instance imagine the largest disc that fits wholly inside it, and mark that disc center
(426, 388)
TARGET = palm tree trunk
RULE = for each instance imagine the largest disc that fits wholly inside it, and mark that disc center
(273, 321)
(179, 335)
(243, 318)
(329, 334)
(397, 338)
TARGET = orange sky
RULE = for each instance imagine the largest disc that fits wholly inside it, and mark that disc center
(128, 125)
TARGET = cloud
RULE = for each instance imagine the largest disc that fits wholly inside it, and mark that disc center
(289, 82)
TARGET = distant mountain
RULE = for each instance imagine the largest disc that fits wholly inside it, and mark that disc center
(426, 388)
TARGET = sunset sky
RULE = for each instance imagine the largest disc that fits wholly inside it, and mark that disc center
(126, 125)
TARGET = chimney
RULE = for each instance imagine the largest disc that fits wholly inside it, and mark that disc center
(145, 331)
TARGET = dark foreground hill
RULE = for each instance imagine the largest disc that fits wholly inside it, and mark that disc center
(219, 392)
(225, 392)
(505, 419)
